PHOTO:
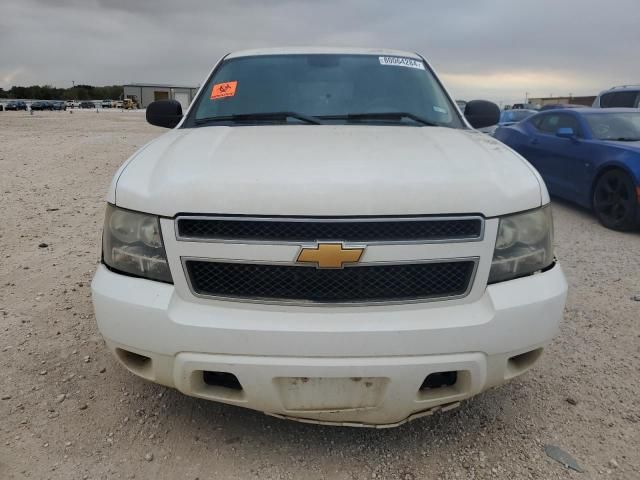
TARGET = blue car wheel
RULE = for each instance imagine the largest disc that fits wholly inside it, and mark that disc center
(614, 200)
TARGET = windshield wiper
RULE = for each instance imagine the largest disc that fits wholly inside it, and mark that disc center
(248, 117)
(626, 139)
(381, 116)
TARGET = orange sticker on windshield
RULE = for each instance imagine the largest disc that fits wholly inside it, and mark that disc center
(222, 90)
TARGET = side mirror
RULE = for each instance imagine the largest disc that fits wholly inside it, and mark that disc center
(566, 132)
(481, 114)
(164, 113)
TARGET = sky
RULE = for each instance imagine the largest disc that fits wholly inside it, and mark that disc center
(499, 50)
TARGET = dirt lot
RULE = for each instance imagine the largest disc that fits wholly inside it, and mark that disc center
(68, 411)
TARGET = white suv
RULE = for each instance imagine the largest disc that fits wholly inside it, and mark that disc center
(324, 237)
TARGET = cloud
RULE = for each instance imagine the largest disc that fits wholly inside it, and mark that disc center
(8, 77)
(499, 49)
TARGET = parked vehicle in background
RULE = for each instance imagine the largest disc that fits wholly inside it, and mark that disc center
(42, 105)
(587, 156)
(626, 96)
(523, 106)
(87, 104)
(71, 104)
(107, 103)
(558, 106)
(129, 104)
(59, 105)
(16, 105)
(509, 117)
(351, 254)
(119, 104)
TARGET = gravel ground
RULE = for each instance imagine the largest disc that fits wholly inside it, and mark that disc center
(68, 411)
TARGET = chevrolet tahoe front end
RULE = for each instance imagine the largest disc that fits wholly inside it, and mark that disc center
(325, 263)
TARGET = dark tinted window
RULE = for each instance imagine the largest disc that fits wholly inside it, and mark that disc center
(626, 99)
(326, 85)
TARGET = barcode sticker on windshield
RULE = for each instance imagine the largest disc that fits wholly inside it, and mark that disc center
(402, 62)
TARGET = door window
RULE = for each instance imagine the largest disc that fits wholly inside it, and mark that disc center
(549, 124)
(536, 121)
(552, 122)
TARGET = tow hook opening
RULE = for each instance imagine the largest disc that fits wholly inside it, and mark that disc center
(439, 380)
(449, 385)
(215, 385)
(221, 379)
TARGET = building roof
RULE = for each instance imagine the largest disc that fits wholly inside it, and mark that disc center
(157, 85)
(321, 50)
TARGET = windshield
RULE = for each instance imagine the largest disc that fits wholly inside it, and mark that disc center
(325, 87)
(615, 126)
(515, 115)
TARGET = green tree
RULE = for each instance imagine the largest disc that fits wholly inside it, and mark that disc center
(77, 92)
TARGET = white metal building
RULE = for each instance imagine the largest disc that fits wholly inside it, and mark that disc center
(145, 93)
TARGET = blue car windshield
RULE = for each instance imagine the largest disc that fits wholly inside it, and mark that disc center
(615, 126)
(514, 116)
(326, 88)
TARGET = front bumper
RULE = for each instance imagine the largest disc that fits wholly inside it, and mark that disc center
(343, 365)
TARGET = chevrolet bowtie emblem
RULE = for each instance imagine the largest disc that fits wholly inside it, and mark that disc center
(329, 255)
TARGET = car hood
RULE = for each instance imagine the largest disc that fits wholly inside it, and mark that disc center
(326, 170)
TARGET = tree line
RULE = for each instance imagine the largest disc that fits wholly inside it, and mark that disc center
(77, 92)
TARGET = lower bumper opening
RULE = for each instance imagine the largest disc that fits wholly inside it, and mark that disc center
(138, 364)
(215, 385)
(221, 379)
(439, 380)
(442, 385)
(518, 364)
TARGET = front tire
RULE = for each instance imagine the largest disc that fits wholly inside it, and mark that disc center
(615, 202)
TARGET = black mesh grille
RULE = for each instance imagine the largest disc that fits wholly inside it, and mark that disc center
(351, 284)
(349, 231)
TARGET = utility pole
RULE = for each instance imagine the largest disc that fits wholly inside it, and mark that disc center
(526, 97)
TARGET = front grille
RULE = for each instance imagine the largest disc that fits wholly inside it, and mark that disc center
(367, 283)
(346, 230)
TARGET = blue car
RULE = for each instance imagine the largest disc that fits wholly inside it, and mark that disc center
(588, 156)
(509, 117)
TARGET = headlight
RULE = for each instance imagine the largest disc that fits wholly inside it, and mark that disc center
(132, 243)
(524, 245)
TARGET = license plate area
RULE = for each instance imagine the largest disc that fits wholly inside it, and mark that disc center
(322, 394)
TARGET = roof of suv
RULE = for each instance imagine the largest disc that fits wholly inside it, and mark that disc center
(323, 50)
(590, 110)
(621, 88)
